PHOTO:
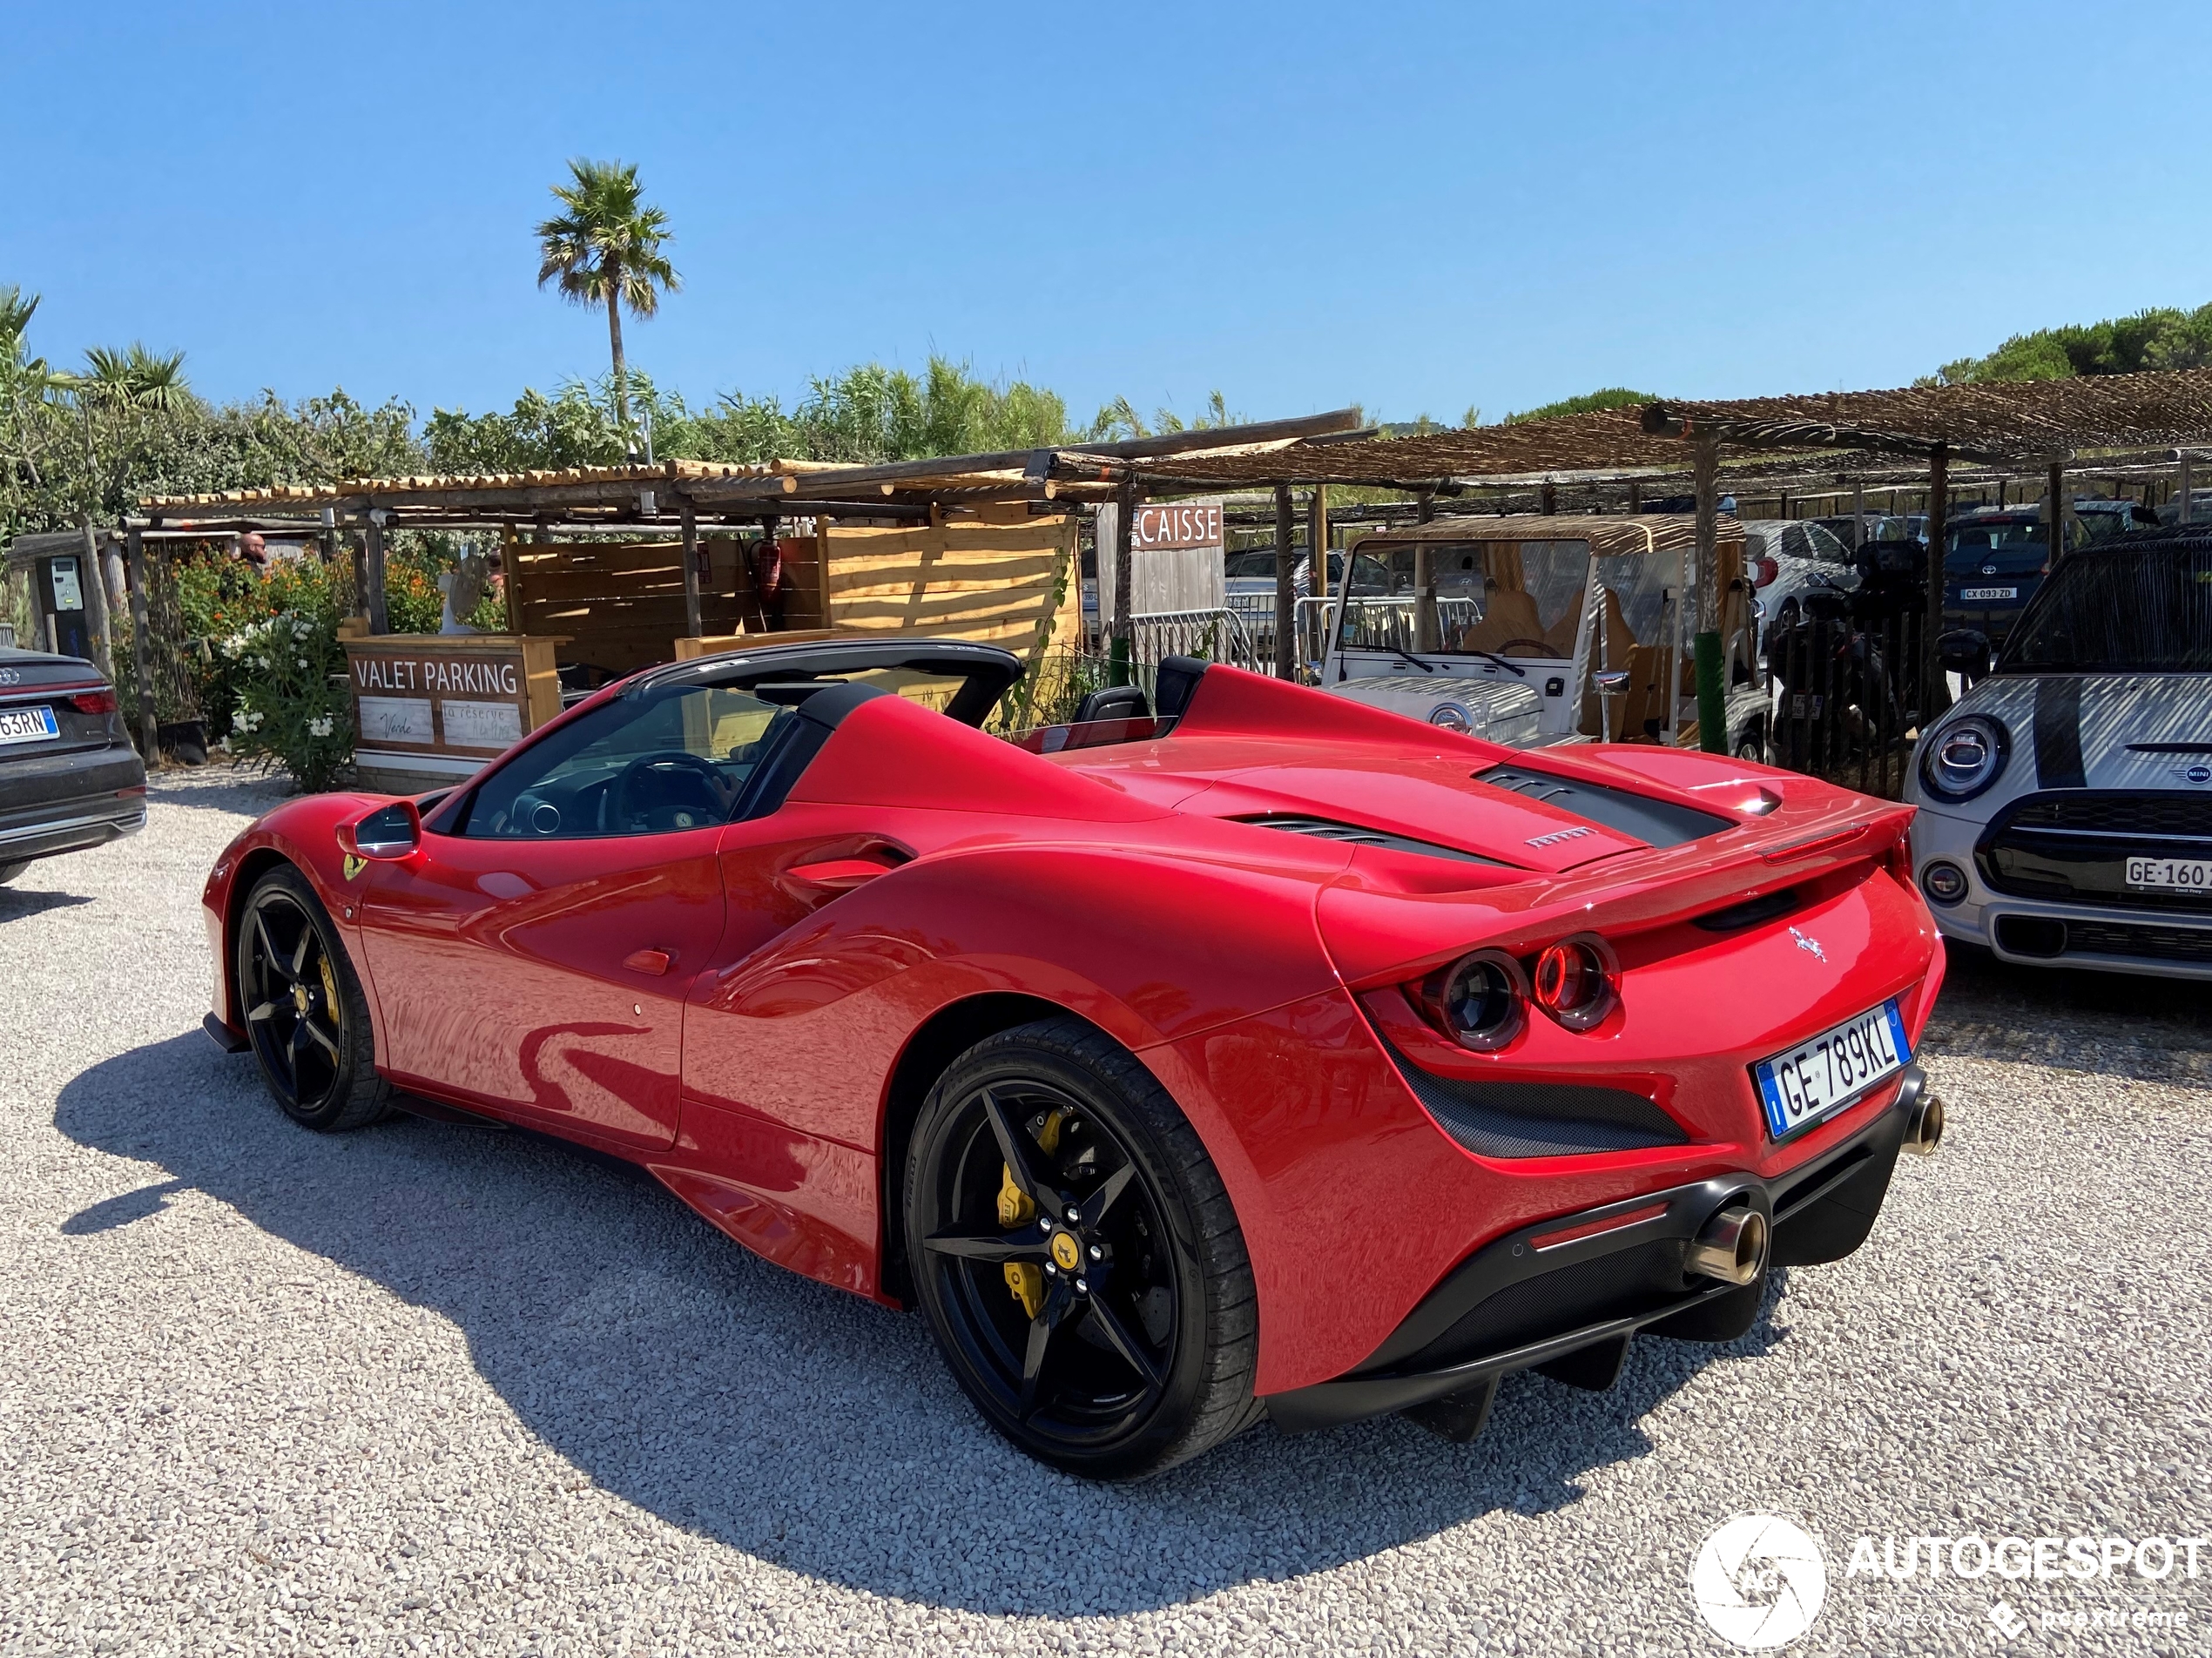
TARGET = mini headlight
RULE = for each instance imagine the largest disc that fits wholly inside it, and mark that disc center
(1965, 756)
(1480, 1001)
(1452, 718)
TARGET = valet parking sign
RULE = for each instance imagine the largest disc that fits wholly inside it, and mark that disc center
(1761, 1582)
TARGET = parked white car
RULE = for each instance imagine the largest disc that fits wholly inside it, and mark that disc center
(2066, 800)
(1541, 629)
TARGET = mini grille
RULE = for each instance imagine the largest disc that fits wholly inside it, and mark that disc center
(2119, 938)
(2142, 811)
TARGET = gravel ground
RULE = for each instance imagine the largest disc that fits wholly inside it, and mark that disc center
(435, 1389)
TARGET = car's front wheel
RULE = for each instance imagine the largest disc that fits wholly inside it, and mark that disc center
(9, 872)
(305, 1012)
(1076, 1256)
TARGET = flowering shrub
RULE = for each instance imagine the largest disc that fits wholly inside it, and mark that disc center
(289, 714)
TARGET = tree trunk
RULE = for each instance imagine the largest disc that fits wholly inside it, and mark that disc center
(614, 337)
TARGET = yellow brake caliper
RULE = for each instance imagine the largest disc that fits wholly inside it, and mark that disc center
(1025, 1278)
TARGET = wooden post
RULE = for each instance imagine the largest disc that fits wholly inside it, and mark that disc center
(372, 573)
(1937, 696)
(94, 587)
(1635, 494)
(693, 627)
(2056, 528)
(1428, 632)
(1286, 588)
(1712, 691)
(511, 574)
(1548, 502)
(134, 564)
(1857, 516)
(2183, 515)
(1316, 537)
(1121, 670)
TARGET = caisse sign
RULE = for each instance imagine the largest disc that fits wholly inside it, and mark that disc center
(1163, 525)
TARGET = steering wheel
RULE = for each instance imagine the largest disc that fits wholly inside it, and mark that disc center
(710, 790)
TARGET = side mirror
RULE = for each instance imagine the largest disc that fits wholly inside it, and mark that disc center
(385, 835)
(1963, 651)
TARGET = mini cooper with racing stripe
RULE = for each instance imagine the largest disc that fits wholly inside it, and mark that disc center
(2066, 800)
(1248, 1054)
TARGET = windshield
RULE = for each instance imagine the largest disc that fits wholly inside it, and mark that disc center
(2007, 542)
(2120, 612)
(1509, 598)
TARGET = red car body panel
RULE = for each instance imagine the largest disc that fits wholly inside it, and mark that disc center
(731, 1005)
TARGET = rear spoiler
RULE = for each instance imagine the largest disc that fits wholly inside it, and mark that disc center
(1619, 896)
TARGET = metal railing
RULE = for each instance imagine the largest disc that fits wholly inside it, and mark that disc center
(1214, 635)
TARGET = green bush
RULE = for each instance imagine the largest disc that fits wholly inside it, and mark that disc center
(290, 715)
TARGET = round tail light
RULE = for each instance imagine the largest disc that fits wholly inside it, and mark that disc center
(1480, 1001)
(1575, 983)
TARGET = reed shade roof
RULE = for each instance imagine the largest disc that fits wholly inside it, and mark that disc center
(1608, 534)
(2023, 423)
(1077, 473)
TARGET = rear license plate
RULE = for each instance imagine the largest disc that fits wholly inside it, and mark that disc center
(1972, 593)
(27, 725)
(1799, 1088)
(2171, 874)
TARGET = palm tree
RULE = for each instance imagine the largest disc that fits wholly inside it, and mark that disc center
(605, 249)
(130, 385)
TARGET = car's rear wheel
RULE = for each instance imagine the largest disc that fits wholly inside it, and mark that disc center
(1077, 1258)
(9, 872)
(305, 1012)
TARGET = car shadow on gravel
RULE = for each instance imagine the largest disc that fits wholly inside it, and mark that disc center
(15, 903)
(794, 1422)
(2109, 1023)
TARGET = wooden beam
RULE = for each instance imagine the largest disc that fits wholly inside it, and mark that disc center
(1710, 672)
(1122, 652)
(1316, 537)
(134, 564)
(1936, 688)
(691, 526)
(2055, 530)
(372, 582)
(94, 587)
(1285, 589)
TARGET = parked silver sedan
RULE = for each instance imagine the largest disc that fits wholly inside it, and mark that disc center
(2066, 800)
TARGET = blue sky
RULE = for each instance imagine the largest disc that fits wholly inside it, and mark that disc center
(1417, 208)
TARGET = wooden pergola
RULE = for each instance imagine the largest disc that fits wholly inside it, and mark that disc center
(1864, 440)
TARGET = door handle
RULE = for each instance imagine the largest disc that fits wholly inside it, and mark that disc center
(653, 961)
(839, 874)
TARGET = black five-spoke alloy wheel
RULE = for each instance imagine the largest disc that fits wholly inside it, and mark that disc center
(304, 1010)
(1076, 1256)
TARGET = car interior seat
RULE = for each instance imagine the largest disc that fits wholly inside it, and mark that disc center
(1114, 702)
(1510, 625)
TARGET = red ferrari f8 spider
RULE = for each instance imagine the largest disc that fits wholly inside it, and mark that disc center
(1254, 1053)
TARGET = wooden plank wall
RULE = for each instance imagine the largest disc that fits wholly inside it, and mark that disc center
(994, 583)
(621, 604)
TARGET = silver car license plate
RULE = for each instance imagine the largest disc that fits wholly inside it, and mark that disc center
(1799, 1088)
(1973, 594)
(28, 725)
(2171, 874)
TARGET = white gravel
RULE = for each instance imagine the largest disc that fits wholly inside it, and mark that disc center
(429, 1389)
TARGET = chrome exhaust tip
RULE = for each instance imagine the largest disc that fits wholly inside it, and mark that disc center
(1732, 1247)
(1923, 1127)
